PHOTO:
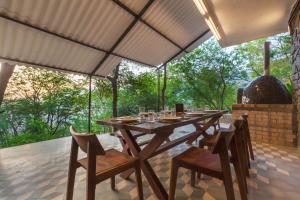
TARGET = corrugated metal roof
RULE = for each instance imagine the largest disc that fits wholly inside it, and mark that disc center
(90, 21)
(135, 5)
(108, 66)
(179, 20)
(147, 45)
(97, 25)
(199, 41)
(25, 44)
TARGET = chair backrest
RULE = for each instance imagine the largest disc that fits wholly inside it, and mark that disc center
(224, 138)
(245, 124)
(239, 131)
(85, 139)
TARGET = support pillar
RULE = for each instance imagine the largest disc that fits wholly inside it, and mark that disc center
(90, 104)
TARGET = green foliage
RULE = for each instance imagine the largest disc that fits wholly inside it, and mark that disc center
(280, 66)
(207, 77)
(41, 105)
(40, 102)
(142, 90)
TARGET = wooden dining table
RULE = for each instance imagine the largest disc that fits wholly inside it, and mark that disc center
(160, 142)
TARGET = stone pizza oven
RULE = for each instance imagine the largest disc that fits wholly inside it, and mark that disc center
(272, 116)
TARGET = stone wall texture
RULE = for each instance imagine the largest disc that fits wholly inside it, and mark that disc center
(270, 123)
(294, 25)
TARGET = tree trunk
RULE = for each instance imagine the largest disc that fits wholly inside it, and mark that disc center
(115, 98)
(5, 73)
(114, 83)
(164, 88)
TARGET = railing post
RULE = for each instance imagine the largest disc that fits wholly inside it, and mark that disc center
(163, 92)
(90, 103)
(158, 90)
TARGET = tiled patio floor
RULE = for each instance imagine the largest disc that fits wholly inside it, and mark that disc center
(39, 171)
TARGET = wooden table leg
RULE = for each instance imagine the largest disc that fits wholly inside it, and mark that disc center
(144, 155)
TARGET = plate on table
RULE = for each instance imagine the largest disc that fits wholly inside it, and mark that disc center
(195, 114)
(170, 119)
(126, 119)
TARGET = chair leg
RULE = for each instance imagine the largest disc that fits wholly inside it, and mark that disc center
(139, 182)
(245, 157)
(90, 190)
(90, 185)
(173, 180)
(112, 183)
(193, 177)
(71, 181)
(240, 179)
(250, 146)
(228, 184)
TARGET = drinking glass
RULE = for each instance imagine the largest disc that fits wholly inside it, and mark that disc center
(151, 116)
(173, 112)
(141, 113)
(141, 110)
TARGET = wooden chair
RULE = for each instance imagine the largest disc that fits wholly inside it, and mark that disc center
(246, 145)
(99, 164)
(241, 154)
(215, 163)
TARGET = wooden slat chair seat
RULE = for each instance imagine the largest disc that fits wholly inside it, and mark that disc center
(205, 161)
(215, 163)
(99, 164)
(112, 160)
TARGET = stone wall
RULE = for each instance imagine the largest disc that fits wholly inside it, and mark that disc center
(270, 123)
(294, 25)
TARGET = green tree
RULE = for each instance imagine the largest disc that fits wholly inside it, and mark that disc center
(207, 76)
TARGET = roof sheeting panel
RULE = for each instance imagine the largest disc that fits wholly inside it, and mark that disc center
(41, 32)
(91, 22)
(200, 41)
(145, 44)
(108, 66)
(135, 5)
(25, 44)
(177, 19)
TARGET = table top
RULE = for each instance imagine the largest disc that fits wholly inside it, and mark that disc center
(154, 127)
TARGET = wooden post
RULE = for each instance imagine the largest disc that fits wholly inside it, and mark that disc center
(164, 88)
(158, 90)
(90, 104)
(267, 59)
(114, 84)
